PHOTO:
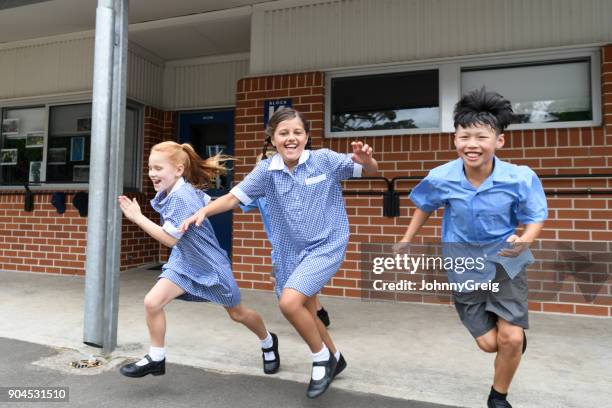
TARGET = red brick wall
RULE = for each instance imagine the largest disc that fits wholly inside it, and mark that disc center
(551, 151)
(45, 241)
(42, 240)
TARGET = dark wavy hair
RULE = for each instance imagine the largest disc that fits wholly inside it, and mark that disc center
(481, 107)
(279, 116)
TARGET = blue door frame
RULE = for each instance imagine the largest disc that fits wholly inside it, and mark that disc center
(207, 131)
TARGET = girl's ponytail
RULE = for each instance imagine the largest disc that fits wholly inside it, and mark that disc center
(203, 172)
(199, 172)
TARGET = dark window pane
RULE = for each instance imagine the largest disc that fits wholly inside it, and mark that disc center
(404, 100)
(132, 149)
(69, 143)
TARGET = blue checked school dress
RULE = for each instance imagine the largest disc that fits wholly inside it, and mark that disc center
(197, 263)
(308, 222)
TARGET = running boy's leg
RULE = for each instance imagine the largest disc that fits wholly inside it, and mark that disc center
(488, 341)
(509, 344)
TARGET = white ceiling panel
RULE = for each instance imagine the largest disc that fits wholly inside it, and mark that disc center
(227, 36)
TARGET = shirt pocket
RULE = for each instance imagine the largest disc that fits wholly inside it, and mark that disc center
(496, 213)
(494, 223)
(315, 180)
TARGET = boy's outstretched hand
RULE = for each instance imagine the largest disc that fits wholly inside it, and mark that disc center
(130, 208)
(517, 246)
(197, 219)
(362, 154)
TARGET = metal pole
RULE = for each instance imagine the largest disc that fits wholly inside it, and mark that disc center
(98, 176)
(115, 180)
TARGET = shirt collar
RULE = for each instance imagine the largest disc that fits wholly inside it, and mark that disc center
(499, 174)
(455, 171)
(277, 163)
(502, 173)
(179, 183)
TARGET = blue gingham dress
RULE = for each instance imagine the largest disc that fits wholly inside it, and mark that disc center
(197, 263)
(308, 221)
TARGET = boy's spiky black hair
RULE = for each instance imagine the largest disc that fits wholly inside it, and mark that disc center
(484, 108)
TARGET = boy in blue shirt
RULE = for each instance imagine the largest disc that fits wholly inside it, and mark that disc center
(484, 200)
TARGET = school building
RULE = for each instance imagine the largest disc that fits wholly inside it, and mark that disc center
(387, 72)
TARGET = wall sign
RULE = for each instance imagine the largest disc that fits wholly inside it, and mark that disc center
(272, 105)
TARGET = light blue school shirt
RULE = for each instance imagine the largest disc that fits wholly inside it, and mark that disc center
(486, 215)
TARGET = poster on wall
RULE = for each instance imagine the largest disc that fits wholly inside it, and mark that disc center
(80, 173)
(10, 126)
(56, 155)
(8, 157)
(272, 105)
(83, 124)
(77, 148)
(35, 171)
(35, 140)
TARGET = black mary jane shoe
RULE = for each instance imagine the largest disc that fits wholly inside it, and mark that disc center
(323, 316)
(496, 403)
(152, 367)
(271, 366)
(318, 387)
(340, 366)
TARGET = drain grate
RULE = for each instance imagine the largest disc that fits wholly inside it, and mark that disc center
(89, 363)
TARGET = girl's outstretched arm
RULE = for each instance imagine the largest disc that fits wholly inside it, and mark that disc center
(362, 154)
(220, 205)
(132, 212)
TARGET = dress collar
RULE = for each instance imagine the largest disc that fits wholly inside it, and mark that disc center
(277, 163)
(179, 183)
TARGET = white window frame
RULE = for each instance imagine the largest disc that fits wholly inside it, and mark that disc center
(449, 75)
(551, 58)
(66, 101)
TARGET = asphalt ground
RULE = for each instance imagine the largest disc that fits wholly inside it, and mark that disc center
(22, 364)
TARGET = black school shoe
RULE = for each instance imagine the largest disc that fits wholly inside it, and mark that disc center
(271, 366)
(323, 316)
(152, 367)
(340, 366)
(318, 387)
(497, 403)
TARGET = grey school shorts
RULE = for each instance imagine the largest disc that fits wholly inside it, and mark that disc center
(479, 310)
